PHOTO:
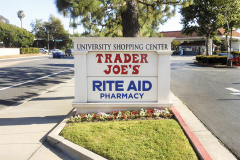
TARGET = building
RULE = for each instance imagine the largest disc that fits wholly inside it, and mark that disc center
(195, 45)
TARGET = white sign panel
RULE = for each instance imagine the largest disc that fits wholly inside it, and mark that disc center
(121, 73)
(122, 64)
(122, 89)
(122, 46)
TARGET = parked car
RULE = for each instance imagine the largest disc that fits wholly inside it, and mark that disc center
(56, 50)
(58, 55)
(68, 52)
(43, 50)
(224, 54)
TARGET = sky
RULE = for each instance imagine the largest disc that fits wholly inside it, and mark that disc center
(41, 9)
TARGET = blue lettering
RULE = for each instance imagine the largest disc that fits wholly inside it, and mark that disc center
(104, 86)
(139, 85)
(113, 96)
(144, 85)
(119, 84)
(135, 95)
(110, 84)
(132, 86)
(107, 95)
(97, 84)
(119, 95)
(101, 95)
(124, 95)
(130, 96)
(141, 95)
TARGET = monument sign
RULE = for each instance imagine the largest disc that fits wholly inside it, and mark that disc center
(121, 73)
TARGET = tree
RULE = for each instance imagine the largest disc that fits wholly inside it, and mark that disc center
(21, 15)
(201, 17)
(229, 17)
(175, 44)
(3, 19)
(111, 18)
(12, 34)
(53, 29)
(73, 24)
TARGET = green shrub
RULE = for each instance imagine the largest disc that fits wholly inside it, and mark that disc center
(29, 50)
(199, 58)
(212, 59)
(217, 51)
(204, 59)
(235, 53)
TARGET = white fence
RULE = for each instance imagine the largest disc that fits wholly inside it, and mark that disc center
(9, 51)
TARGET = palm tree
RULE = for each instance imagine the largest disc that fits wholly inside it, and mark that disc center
(21, 15)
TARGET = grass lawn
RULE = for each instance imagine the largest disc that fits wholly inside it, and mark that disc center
(143, 139)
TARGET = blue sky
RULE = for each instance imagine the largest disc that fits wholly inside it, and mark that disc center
(41, 9)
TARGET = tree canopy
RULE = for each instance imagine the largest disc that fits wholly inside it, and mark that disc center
(205, 17)
(54, 27)
(111, 18)
(3, 19)
(10, 34)
(229, 10)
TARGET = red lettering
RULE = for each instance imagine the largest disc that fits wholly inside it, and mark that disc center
(144, 57)
(108, 58)
(118, 58)
(135, 60)
(109, 69)
(127, 58)
(116, 69)
(124, 70)
(99, 58)
(136, 69)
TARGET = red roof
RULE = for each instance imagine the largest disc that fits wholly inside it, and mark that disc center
(178, 34)
(234, 33)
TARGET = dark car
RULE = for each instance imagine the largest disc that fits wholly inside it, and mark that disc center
(58, 55)
(69, 52)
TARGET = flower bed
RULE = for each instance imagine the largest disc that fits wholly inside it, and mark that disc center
(122, 115)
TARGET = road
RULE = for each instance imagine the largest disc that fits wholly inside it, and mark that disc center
(23, 78)
(213, 95)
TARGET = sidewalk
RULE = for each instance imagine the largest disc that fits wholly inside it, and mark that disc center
(24, 127)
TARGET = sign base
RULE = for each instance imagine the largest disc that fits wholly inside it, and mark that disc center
(108, 107)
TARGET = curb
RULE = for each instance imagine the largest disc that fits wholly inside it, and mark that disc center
(78, 152)
(22, 57)
(197, 145)
(71, 149)
(216, 66)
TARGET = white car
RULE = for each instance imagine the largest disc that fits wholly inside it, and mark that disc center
(56, 50)
(43, 50)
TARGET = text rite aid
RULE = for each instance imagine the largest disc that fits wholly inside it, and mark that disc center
(117, 88)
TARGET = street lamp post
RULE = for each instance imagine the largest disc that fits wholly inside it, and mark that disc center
(48, 43)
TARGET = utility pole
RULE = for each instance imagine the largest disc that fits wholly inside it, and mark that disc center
(48, 43)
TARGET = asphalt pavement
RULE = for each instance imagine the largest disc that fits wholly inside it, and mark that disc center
(213, 95)
(24, 126)
(24, 78)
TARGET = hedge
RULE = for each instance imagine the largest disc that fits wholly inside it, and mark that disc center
(29, 50)
(212, 59)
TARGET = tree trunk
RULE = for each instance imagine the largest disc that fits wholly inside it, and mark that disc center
(231, 40)
(229, 60)
(208, 45)
(130, 22)
(21, 22)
